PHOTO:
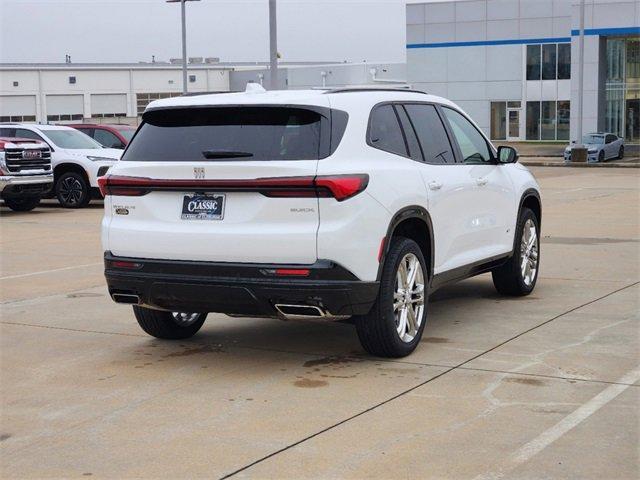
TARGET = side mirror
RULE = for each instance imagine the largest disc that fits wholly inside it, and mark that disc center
(507, 154)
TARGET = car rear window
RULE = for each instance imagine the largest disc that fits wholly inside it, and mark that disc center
(228, 133)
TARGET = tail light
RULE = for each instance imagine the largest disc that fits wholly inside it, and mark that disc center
(340, 187)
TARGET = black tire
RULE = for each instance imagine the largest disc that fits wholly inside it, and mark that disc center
(22, 204)
(377, 330)
(72, 190)
(508, 278)
(601, 156)
(161, 324)
(621, 152)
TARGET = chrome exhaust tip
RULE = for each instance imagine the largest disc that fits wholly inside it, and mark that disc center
(305, 312)
(127, 298)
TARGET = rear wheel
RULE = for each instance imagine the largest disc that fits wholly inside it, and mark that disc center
(519, 275)
(22, 204)
(169, 325)
(72, 190)
(601, 156)
(394, 325)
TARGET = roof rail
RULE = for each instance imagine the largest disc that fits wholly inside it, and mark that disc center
(374, 89)
(195, 94)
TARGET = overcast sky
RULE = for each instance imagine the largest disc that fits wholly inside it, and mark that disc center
(234, 30)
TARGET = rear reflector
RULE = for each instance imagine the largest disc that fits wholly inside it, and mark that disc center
(124, 264)
(292, 272)
(340, 187)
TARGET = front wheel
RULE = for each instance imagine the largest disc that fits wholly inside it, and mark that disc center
(601, 156)
(22, 204)
(169, 325)
(518, 276)
(621, 152)
(72, 190)
(394, 325)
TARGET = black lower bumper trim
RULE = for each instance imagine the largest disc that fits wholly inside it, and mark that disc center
(240, 289)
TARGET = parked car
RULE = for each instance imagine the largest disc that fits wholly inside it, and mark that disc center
(25, 172)
(600, 147)
(110, 136)
(77, 160)
(313, 205)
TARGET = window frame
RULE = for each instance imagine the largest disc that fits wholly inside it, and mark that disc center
(391, 103)
(457, 151)
(447, 131)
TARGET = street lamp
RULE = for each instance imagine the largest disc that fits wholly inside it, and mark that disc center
(184, 40)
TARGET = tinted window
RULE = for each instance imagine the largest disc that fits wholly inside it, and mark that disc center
(473, 146)
(24, 133)
(564, 61)
(533, 62)
(384, 131)
(219, 133)
(533, 120)
(409, 134)
(548, 121)
(431, 133)
(610, 138)
(549, 61)
(7, 132)
(106, 138)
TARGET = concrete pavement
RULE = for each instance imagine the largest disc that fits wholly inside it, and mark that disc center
(545, 386)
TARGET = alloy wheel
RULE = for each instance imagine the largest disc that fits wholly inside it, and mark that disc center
(529, 253)
(71, 191)
(408, 297)
(185, 319)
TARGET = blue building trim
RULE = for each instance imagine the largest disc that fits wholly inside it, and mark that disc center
(526, 41)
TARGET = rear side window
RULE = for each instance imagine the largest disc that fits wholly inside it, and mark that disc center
(384, 131)
(228, 133)
(431, 133)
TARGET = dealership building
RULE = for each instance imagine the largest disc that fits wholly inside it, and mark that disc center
(513, 64)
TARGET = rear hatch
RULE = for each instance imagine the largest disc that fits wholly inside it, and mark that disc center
(222, 184)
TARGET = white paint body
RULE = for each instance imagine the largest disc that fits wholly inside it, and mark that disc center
(474, 213)
(80, 157)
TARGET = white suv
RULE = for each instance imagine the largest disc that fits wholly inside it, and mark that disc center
(77, 159)
(313, 205)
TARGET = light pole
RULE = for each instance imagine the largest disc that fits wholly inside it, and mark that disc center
(579, 152)
(184, 39)
(273, 45)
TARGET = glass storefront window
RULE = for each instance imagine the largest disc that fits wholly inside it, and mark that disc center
(533, 62)
(564, 61)
(533, 121)
(622, 113)
(563, 120)
(549, 61)
(498, 120)
(548, 121)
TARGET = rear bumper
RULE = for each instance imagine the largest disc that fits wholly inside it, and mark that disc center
(238, 288)
(14, 186)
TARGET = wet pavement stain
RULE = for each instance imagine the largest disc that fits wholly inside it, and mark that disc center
(335, 360)
(534, 382)
(308, 383)
(195, 351)
(436, 340)
(84, 295)
(4, 436)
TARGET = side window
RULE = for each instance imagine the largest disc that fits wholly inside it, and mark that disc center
(7, 132)
(473, 146)
(610, 138)
(106, 139)
(384, 131)
(24, 133)
(409, 134)
(431, 133)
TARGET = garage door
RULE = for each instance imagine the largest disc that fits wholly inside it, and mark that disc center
(18, 108)
(65, 107)
(109, 105)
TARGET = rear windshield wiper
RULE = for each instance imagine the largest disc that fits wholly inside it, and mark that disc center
(212, 154)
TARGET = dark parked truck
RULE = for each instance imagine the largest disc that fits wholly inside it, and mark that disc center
(25, 172)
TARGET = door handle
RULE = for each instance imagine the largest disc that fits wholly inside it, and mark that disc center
(481, 181)
(433, 185)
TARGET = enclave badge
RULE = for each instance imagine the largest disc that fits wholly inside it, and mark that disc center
(198, 172)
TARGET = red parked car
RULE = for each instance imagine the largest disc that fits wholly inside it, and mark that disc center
(111, 136)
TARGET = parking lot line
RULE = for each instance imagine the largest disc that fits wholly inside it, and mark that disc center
(42, 272)
(546, 438)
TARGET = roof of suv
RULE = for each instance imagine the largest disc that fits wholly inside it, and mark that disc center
(37, 126)
(319, 97)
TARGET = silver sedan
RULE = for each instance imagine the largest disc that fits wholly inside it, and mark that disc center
(600, 147)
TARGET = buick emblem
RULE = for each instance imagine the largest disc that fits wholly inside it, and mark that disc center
(198, 172)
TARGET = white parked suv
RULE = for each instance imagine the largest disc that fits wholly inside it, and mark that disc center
(321, 205)
(77, 159)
